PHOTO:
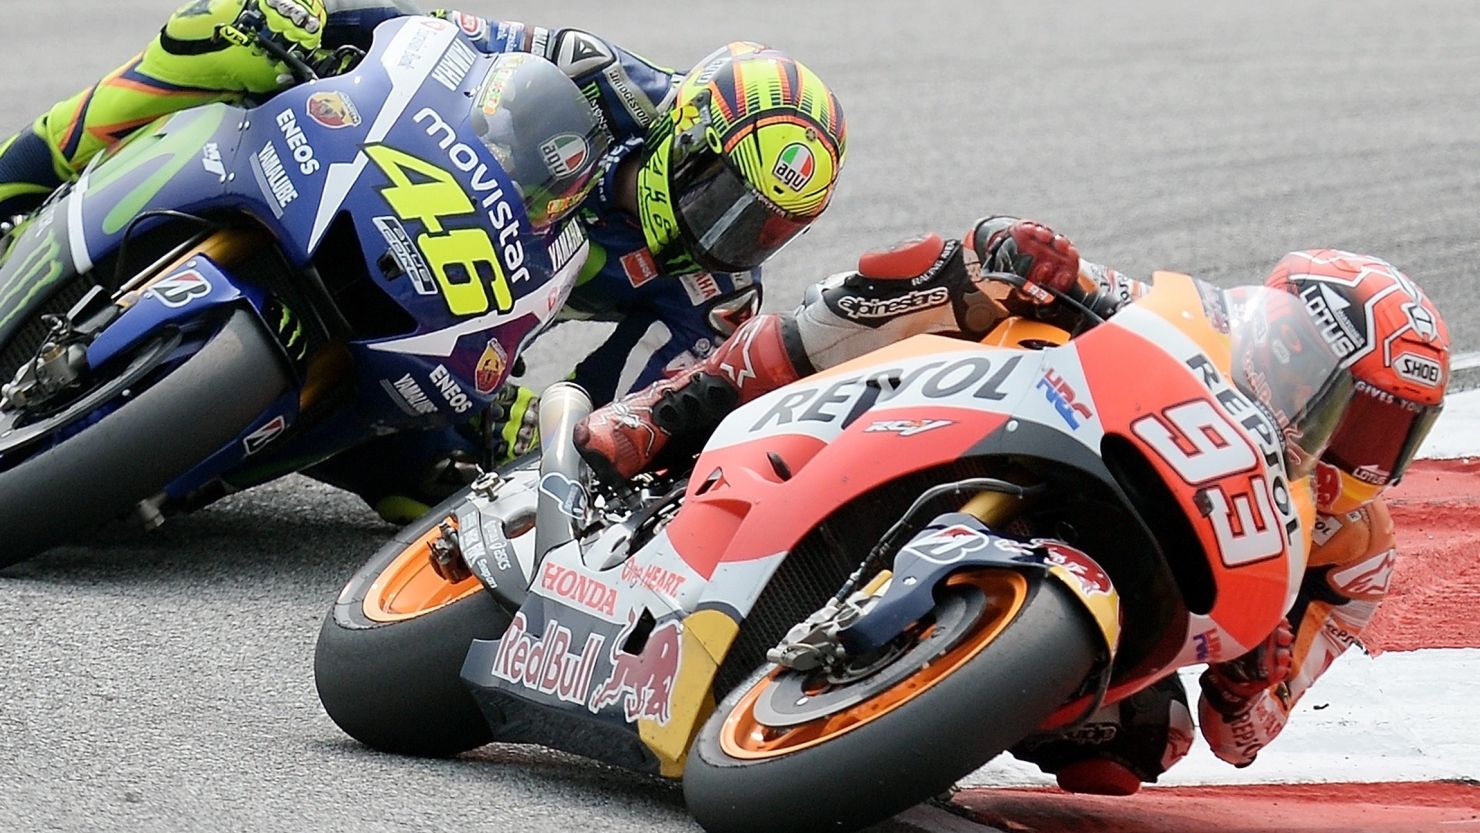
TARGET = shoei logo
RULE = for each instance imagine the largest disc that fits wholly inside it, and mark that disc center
(795, 166)
(565, 154)
(1419, 369)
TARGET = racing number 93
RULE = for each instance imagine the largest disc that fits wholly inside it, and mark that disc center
(463, 260)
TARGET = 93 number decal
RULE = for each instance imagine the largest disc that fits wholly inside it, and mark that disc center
(464, 260)
(1203, 447)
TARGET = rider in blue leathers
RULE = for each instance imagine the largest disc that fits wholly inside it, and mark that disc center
(674, 296)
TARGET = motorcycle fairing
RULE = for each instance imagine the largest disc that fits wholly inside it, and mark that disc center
(1246, 509)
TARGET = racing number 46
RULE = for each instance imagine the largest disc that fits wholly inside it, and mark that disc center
(463, 260)
(1203, 447)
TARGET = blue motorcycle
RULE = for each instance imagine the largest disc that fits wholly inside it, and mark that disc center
(237, 293)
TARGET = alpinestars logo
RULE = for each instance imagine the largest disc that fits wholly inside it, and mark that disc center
(858, 308)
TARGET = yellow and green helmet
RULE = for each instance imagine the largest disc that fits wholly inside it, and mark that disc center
(746, 158)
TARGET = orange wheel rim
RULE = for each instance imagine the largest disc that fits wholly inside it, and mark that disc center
(409, 587)
(746, 738)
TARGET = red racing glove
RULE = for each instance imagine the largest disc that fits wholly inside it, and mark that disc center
(1229, 687)
(1033, 251)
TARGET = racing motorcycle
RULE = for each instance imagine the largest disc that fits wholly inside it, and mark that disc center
(868, 584)
(235, 293)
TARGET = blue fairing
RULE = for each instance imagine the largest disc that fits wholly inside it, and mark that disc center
(346, 150)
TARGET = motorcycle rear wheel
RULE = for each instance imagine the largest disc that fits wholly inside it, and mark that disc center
(390, 653)
(133, 453)
(1029, 649)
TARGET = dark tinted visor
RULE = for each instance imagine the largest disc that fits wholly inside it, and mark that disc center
(1379, 435)
(733, 228)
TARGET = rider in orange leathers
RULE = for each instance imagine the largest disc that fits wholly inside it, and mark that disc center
(1392, 345)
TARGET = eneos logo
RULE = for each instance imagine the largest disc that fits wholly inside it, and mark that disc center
(795, 166)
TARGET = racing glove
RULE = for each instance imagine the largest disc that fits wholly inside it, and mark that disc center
(1033, 251)
(1230, 686)
(209, 44)
(513, 427)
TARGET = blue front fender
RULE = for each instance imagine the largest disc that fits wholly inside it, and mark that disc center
(954, 542)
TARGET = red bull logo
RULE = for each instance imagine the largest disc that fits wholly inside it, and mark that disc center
(1092, 578)
(643, 682)
(546, 664)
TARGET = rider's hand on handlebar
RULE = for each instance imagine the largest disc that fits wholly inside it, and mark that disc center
(299, 23)
(1032, 251)
(1229, 686)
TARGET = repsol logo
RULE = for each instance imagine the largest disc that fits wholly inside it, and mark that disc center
(976, 377)
(1258, 423)
(501, 214)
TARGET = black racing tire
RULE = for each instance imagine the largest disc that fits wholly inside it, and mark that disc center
(134, 452)
(916, 751)
(397, 686)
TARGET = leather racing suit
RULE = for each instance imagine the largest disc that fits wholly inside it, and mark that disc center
(933, 286)
(664, 322)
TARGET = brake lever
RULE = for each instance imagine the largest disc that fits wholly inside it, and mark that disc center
(250, 29)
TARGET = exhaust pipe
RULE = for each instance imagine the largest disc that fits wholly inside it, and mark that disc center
(563, 498)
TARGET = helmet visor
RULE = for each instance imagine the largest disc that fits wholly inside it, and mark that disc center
(1281, 360)
(733, 228)
(1379, 435)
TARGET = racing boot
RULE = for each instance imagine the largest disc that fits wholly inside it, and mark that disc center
(673, 417)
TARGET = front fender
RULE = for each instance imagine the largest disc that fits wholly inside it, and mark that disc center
(954, 542)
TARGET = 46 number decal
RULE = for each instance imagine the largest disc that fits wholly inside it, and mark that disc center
(464, 261)
(1203, 447)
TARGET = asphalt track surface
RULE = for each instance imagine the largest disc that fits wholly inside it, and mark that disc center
(164, 682)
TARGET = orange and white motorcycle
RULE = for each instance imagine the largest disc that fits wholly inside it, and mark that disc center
(869, 583)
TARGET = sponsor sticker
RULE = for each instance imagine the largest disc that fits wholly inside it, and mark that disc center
(547, 664)
(640, 267)
(471, 25)
(446, 384)
(656, 578)
(455, 65)
(263, 437)
(1420, 370)
(579, 590)
(178, 291)
(334, 110)
(949, 545)
(491, 366)
(643, 683)
(795, 166)
(409, 396)
(210, 159)
(277, 187)
(859, 309)
(1063, 399)
(907, 427)
(701, 287)
(406, 255)
(565, 154)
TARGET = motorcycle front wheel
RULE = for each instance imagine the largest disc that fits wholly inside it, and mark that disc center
(143, 445)
(789, 751)
(389, 657)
